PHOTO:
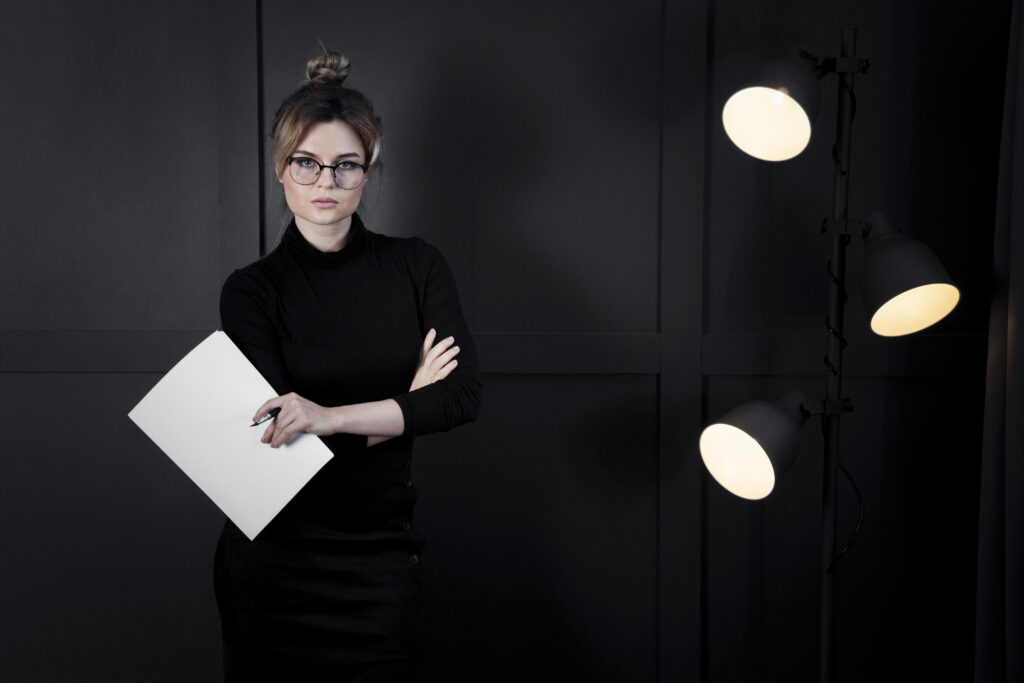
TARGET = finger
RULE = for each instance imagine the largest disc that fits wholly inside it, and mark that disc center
(444, 358)
(282, 437)
(268, 433)
(428, 341)
(270, 405)
(438, 348)
(284, 430)
(274, 428)
(445, 371)
(295, 423)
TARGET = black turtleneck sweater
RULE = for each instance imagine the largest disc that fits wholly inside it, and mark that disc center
(346, 327)
(340, 328)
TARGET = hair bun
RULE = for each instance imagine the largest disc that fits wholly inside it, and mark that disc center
(329, 68)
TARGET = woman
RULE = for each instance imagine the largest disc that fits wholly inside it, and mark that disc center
(339, 320)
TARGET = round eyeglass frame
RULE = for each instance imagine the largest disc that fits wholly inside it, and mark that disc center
(334, 171)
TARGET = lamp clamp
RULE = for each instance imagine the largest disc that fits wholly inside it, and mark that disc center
(826, 406)
(849, 65)
(831, 226)
(837, 65)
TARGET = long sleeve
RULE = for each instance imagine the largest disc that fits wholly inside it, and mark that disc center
(454, 400)
(246, 303)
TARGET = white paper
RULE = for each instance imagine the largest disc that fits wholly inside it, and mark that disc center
(200, 414)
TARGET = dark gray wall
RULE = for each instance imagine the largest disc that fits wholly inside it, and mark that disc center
(628, 275)
(116, 221)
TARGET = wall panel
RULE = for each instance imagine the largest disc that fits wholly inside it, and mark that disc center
(108, 568)
(111, 180)
(541, 523)
(120, 121)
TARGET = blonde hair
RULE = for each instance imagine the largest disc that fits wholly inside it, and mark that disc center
(324, 98)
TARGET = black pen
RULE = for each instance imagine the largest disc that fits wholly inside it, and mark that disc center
(272, 414)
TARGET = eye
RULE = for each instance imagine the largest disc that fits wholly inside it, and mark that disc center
(347, 165)
(306, 163)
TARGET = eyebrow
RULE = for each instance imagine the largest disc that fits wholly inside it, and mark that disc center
(347, 155)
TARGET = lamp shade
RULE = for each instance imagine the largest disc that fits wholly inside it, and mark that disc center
(904, 285)
(770, 117)
(753, 445)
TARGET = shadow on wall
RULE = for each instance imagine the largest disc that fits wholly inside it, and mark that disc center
(550, 220)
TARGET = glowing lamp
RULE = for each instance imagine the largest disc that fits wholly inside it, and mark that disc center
(905, 287)
(753, 445)
(770, 117)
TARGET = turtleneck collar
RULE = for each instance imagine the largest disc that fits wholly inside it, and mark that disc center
(298, 245)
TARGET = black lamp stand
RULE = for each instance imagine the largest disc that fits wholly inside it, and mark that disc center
(845, 67)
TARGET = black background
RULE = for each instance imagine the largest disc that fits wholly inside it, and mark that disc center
(628, 275)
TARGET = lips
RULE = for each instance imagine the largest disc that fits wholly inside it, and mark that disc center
(325, 202)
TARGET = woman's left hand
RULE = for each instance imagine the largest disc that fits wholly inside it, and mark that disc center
(297, 415)
(436, 360)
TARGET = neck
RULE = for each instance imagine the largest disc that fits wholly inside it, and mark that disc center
(326, 238)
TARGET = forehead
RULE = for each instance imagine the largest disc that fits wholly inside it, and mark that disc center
(330, 139)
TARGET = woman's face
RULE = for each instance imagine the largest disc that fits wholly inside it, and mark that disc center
(323, 206)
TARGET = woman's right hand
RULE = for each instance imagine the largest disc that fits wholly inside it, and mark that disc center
(436, 360)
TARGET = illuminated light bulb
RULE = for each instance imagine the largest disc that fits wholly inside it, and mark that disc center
(766, 123)
(737, 461)
(915, 309)
(752, 445)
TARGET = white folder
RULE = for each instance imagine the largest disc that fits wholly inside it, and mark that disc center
(200, 414)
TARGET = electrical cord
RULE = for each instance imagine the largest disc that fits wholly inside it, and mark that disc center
(828, 323)
(835, 371)
(860, 520)
(860, 511)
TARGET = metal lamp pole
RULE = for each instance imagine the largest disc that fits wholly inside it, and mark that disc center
(846, 66)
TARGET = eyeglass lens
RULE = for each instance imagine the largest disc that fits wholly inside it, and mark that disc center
(347, 175)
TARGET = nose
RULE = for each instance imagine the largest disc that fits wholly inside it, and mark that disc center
(326, 178)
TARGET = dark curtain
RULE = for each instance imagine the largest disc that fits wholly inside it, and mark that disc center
(999, 640)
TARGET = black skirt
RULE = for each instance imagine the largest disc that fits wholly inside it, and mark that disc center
(321, 604)
(330, 588)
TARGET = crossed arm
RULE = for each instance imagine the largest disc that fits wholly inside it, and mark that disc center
(377, 420)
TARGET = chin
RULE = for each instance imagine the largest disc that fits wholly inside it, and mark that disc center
(323, 221)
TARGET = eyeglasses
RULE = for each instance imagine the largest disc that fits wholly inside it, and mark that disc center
(347, 174)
